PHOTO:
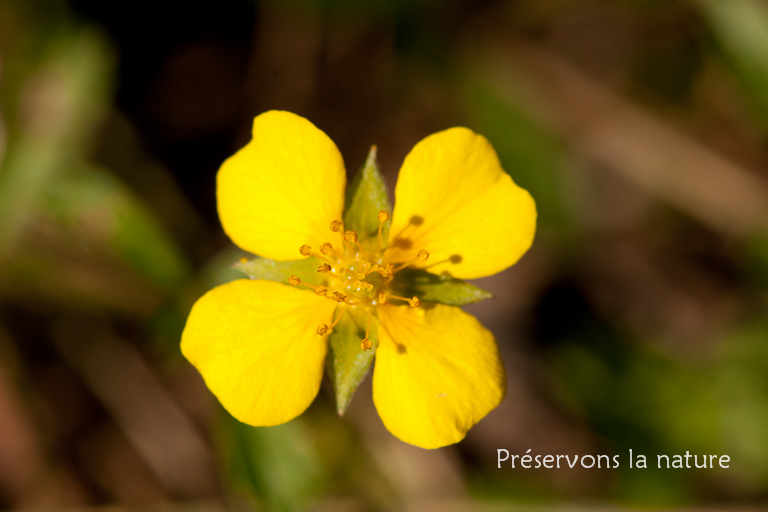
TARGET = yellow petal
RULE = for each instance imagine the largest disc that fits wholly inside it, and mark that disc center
(283, 189)
(454, 200)
(437, 373)
(256, 345)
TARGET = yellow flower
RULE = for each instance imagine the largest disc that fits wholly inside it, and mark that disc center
(261, 345)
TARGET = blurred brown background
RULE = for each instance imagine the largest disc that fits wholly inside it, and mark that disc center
(637, 320)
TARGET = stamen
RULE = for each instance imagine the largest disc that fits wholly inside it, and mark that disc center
(382, 216)
(422, 255)
(387, 271)
(324, 268)
(382, 298)
(306, 250)
(295, 281)
(326, 248)
(341, 314)
(322, 329)
(336, 225)
(366, 344)
(339, 297)
(414, 302)
(351, 237)
(321, 290)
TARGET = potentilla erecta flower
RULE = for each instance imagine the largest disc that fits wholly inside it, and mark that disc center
(261, 345)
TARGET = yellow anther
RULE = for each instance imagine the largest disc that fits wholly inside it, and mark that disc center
(350, 236)
(366, 345)
(321, 290)
(360, 276)
(414, 302)
(243, 260)
(324, 268)
(322, 329)
(326, 248)
(368, 286)
(422, 255)
(305, 250)
(387, 271)
(295, 281)
(382, 216)
(336, 225)
(382, 298)
(339, 297)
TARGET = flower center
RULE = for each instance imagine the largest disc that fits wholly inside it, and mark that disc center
(356, 277)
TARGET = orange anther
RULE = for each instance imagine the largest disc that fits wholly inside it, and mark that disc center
(366, 345)
(382, 298)
(295, 281)
(321, 290)
(414, 302)
(324, 268)
(326, 248)
(382, 216)
(322, 329)
(336, 225)
(305, 250)
(350, 236)
(422, 255)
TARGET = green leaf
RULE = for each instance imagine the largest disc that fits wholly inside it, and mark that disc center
(442, 289)
(366, 197)
(280, 271)
(347, 364)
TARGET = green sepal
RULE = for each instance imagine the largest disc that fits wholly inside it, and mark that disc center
(366, 197)
(281, 271)
(441, 289)
(346, 363)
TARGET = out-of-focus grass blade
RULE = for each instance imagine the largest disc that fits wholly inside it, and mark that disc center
(277, 466)
(57, 108)
(102, 212)
(741, 30)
